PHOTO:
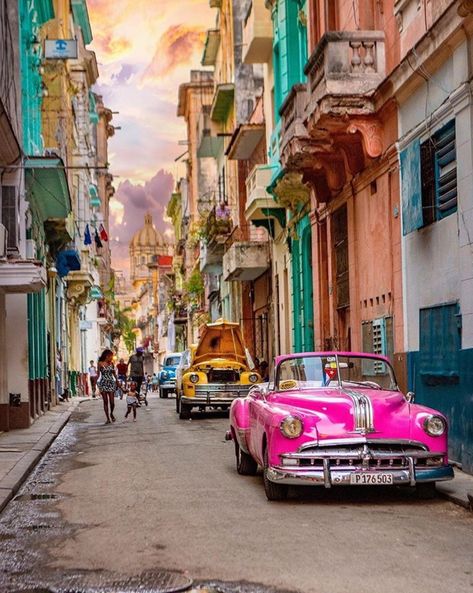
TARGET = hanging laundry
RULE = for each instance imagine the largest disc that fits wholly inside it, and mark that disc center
(97, 240)
(103, 233)
(87, 236)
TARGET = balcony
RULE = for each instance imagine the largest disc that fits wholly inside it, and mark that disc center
(260, 205)
(22, 276)
(295, 141)
(245, 261)
(212, 44)
(222, 101)
(344, 69)
(209, 144)
(257, 34)
(211, 258)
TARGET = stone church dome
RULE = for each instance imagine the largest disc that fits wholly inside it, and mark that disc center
(148, 236)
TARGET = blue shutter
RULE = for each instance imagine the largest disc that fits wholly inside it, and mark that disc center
(446, 171)
(411, 191)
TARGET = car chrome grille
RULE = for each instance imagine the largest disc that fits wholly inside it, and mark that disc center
(223, 376)
(369, 456)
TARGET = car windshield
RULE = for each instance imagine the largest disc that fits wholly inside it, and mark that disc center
(172, 361)
(309, 372)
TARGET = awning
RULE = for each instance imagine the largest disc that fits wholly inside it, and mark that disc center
(223, 100)
(46, 185)
(94, 196)
(244, 141)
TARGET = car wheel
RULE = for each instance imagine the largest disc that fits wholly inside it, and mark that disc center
(245, 464)
(272, 490)
(185, 411)
(177, 403)
(160, 393)
(165, 393)
(426, 491)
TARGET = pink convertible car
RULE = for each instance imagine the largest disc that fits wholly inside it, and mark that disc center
(335, 419)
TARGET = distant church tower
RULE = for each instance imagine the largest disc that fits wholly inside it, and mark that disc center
(146, 244)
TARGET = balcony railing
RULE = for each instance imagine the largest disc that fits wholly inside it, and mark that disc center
(259, 203)
(346, 63)
(246, 260)
(257, 34)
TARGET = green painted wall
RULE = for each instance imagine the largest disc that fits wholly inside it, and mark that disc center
(33, 14)
(289, 60)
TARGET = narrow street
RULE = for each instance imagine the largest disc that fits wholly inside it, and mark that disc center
(111, 507)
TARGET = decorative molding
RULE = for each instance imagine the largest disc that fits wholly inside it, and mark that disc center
(292, 192)
(20, 277)
(371, 133)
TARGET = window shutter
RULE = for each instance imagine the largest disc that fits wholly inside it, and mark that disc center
(446, 171)
(9, 215)
(412, 218)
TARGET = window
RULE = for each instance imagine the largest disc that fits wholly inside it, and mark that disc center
(439, 175)
(429, 179)
(340, 246)
(377, 336)
(9, 217)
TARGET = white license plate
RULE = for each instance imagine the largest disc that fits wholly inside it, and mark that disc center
(371, 479)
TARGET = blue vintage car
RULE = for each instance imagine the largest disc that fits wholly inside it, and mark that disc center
(167, 374)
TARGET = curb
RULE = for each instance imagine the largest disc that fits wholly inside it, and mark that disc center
(458, 500)
(12, 482)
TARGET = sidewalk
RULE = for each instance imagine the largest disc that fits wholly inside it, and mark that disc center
(20, 450)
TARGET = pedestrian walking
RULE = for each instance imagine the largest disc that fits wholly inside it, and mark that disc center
(132, 401)
(122, 369)
(137, 373)
(107, 384)
(154, 382)
(93, 376)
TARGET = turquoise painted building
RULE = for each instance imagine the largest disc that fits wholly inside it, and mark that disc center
(289, 59)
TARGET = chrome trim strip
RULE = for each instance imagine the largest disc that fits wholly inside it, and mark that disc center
(363, 410)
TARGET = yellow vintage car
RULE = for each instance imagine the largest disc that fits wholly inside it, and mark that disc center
(221, 370)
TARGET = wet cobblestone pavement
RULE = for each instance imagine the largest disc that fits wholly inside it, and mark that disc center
(31, 528)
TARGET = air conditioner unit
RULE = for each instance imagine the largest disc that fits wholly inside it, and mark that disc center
(3, 242)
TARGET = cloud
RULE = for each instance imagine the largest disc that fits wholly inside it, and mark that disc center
(176, 47)
(128, 208)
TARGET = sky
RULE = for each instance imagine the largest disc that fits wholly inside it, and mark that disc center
(145, 49)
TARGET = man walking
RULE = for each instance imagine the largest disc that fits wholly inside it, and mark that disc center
(93, 376)
(137, 372)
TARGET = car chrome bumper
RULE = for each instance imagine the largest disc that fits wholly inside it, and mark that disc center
(210, 399)
(168, 385)
(329, 477)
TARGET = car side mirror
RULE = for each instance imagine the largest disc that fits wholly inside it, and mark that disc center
(410, 396)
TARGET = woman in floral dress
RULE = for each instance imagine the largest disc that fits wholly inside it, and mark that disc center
(107, 383)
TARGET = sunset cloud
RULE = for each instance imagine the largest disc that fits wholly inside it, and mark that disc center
(176, 47)
(128, 208)
(145, 50)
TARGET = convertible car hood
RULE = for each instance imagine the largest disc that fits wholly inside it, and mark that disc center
(382, 414)
(220, 340)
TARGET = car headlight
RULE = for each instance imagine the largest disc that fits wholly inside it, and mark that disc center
(253, 378)
(194, 378)
(164, 375)
(435, 426)
(291, 427)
